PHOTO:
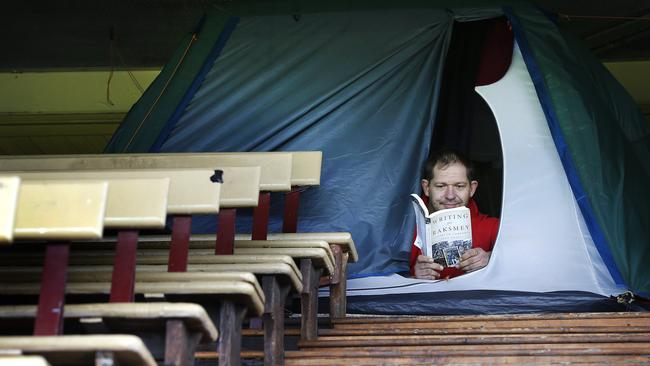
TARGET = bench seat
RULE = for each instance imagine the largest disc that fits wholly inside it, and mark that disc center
(343, 239)
(241, 287)
(124, 316)
(22, 361)
(317, 250)
(171, 331)
(278, 274)
(26, 267)
(81, 350)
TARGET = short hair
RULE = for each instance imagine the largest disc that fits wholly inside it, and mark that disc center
(444, 158)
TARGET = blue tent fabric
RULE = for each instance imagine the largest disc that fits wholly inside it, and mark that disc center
(214, 53)
(360, 87)
(485, 302)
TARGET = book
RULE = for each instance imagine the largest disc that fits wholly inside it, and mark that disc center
(443, 235)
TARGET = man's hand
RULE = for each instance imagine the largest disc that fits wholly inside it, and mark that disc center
(473, 259)
(426, 268)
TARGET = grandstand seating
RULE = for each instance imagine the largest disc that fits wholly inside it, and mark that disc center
(181, 286)
(278, 273)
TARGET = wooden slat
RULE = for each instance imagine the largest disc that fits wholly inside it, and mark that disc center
(613, 327)
(79, 350)
(317, 255)
(132, 202)
(59, 210)
(9, 188)
(89, 268)
(468, 360)
(510, 321)
(528, 349)
(241, 187)
(240, 286)
(478, 339)
(306, 168)
(190, 190)
(344, 239)
(201, 245)
(23, 361)
(276, 166)
(193, 315)
(295, 244)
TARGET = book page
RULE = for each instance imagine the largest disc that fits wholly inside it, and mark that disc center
(423, 238)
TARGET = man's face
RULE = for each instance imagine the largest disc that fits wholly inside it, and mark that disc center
(449, 187)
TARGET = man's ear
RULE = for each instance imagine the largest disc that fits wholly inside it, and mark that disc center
(472, 187)
(425, 187)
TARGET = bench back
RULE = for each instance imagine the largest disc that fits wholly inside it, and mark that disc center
(61, 210)
(9, 187)
(135, 201)
(74, 350)
(306, 168)
(276, 166)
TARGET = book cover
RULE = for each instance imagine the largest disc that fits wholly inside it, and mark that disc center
(443, 235)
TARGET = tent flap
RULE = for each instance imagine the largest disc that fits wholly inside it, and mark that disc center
(606, 143)
(150, 114)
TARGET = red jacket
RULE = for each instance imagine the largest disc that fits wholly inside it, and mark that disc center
(484, 234)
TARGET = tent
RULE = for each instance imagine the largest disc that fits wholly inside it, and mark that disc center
(362, 82)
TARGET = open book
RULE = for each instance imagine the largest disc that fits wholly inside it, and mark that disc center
(443, 235)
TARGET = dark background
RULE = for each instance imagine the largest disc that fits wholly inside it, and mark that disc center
(40, 35)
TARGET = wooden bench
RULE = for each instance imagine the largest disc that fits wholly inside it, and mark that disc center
(275, 175)
(304, 169)
(22, 361)
(133, 203)
(189, 322)
(314, 256)
(238, 194)
(55, 211)
(231, 294)
(305, 173)
(277, 273)
(344, 251)
(9, 186)
(82, 350)
(143, 203)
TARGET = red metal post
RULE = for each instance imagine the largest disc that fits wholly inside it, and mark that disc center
(291, 203)
(180, 245)
(261, 217)
(123, 281)
(226, 231)
(49, 316)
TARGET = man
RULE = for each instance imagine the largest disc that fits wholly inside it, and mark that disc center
(448, 182)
